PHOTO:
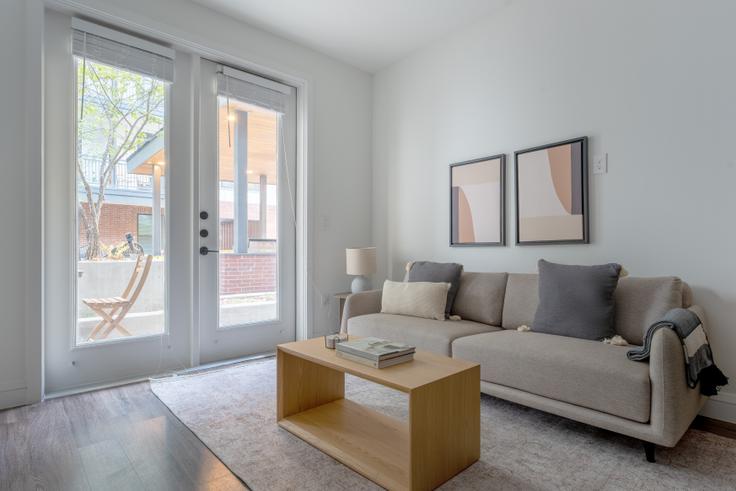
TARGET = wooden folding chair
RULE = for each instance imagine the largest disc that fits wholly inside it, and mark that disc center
(114, 309)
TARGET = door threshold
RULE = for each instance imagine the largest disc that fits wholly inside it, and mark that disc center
(217, 365)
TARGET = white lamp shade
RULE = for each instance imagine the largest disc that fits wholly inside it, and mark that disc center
(360, 260)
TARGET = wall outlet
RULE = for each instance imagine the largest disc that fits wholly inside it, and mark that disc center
(600, 164)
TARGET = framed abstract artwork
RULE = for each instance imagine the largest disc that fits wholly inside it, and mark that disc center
(552, 193)
(478, 202)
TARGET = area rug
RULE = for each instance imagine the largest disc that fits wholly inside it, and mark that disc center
(232, 410)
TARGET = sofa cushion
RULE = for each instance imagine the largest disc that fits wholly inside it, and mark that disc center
(640, 302)
(480, 297)
(418, 298)
(437, 273)
(426, 334)
(577, 371)
(520, 300)
(576, 301)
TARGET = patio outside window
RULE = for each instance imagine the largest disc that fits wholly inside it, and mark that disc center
(121, 168)
(248, 141)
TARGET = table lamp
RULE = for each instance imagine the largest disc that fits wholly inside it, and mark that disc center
(361, 261)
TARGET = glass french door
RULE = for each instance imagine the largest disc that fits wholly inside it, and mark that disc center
(247, 192)
(115, 192)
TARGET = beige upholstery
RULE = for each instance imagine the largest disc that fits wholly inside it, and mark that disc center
(582, 380)
(360, 304)
(426, 334)
(578, 371)
(520, 301)
(480, 297)
(687, 296)
(640, 302)
(673, 404)
(417, 298)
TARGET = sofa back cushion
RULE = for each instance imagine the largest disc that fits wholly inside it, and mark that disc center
(480, 297)
(640, 302)
(431, 272)
(416, 298)
(520, 300)
(576, 301)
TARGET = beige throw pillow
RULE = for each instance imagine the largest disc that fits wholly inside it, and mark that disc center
(418, 299)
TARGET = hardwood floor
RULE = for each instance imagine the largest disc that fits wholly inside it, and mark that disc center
(120, 438)
(722, 428)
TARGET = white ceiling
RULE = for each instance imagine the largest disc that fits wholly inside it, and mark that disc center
(369, 34)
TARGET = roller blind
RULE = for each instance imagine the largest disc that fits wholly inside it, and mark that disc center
(114, 48)
(253, 89)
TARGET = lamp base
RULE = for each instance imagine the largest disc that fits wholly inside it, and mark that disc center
(360, 284)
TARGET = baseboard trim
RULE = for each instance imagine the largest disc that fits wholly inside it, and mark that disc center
(12, 385)
(13, 398)
(186, 371)
(721, 407)
(716, 426)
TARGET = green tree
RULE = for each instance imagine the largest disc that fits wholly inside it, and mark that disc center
(117, 111)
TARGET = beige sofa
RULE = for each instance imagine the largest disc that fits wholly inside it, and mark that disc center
(587, 381)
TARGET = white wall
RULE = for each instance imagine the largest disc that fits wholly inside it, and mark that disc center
(339, 144)
(652, 83)
(12, 218)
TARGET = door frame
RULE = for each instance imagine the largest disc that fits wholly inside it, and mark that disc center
(35, 120)
(304, 187)
(261, 336)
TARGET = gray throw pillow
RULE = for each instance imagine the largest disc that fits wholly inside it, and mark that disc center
(437, 273)
(576, 301)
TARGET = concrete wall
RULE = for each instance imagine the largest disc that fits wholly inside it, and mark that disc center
(650, 82)
(103, 279)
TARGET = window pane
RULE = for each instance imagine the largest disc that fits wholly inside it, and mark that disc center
(248, 139)
(145, 228)
(120, 168)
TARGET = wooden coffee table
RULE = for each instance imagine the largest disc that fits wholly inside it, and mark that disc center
(440, 439)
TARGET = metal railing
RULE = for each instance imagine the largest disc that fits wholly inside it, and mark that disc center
(120, 178)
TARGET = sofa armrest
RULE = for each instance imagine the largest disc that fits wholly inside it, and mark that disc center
(360, 304)
(674, 404)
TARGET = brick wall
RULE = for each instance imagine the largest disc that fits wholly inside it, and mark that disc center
(115, 222)
(247, 273)
(239, 273)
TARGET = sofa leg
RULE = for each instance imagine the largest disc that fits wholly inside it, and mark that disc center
(649, 451)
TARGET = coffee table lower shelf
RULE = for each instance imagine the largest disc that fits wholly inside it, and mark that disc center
(370, 443)
(440, 438)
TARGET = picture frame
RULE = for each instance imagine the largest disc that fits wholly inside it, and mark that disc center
(551, 187)
(478, 202)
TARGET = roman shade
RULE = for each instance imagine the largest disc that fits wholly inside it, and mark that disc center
(253, 89)
(110, 47)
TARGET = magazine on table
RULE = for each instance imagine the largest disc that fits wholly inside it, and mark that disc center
(375, 348)
(388, 362)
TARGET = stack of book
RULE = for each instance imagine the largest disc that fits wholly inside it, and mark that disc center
(375, 352)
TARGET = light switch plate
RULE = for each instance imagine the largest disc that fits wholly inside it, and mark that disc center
(600, 164)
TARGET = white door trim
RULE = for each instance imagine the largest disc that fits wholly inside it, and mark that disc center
(161, 31)
(34, 202)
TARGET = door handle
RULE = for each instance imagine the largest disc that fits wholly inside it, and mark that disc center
(204, 250)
